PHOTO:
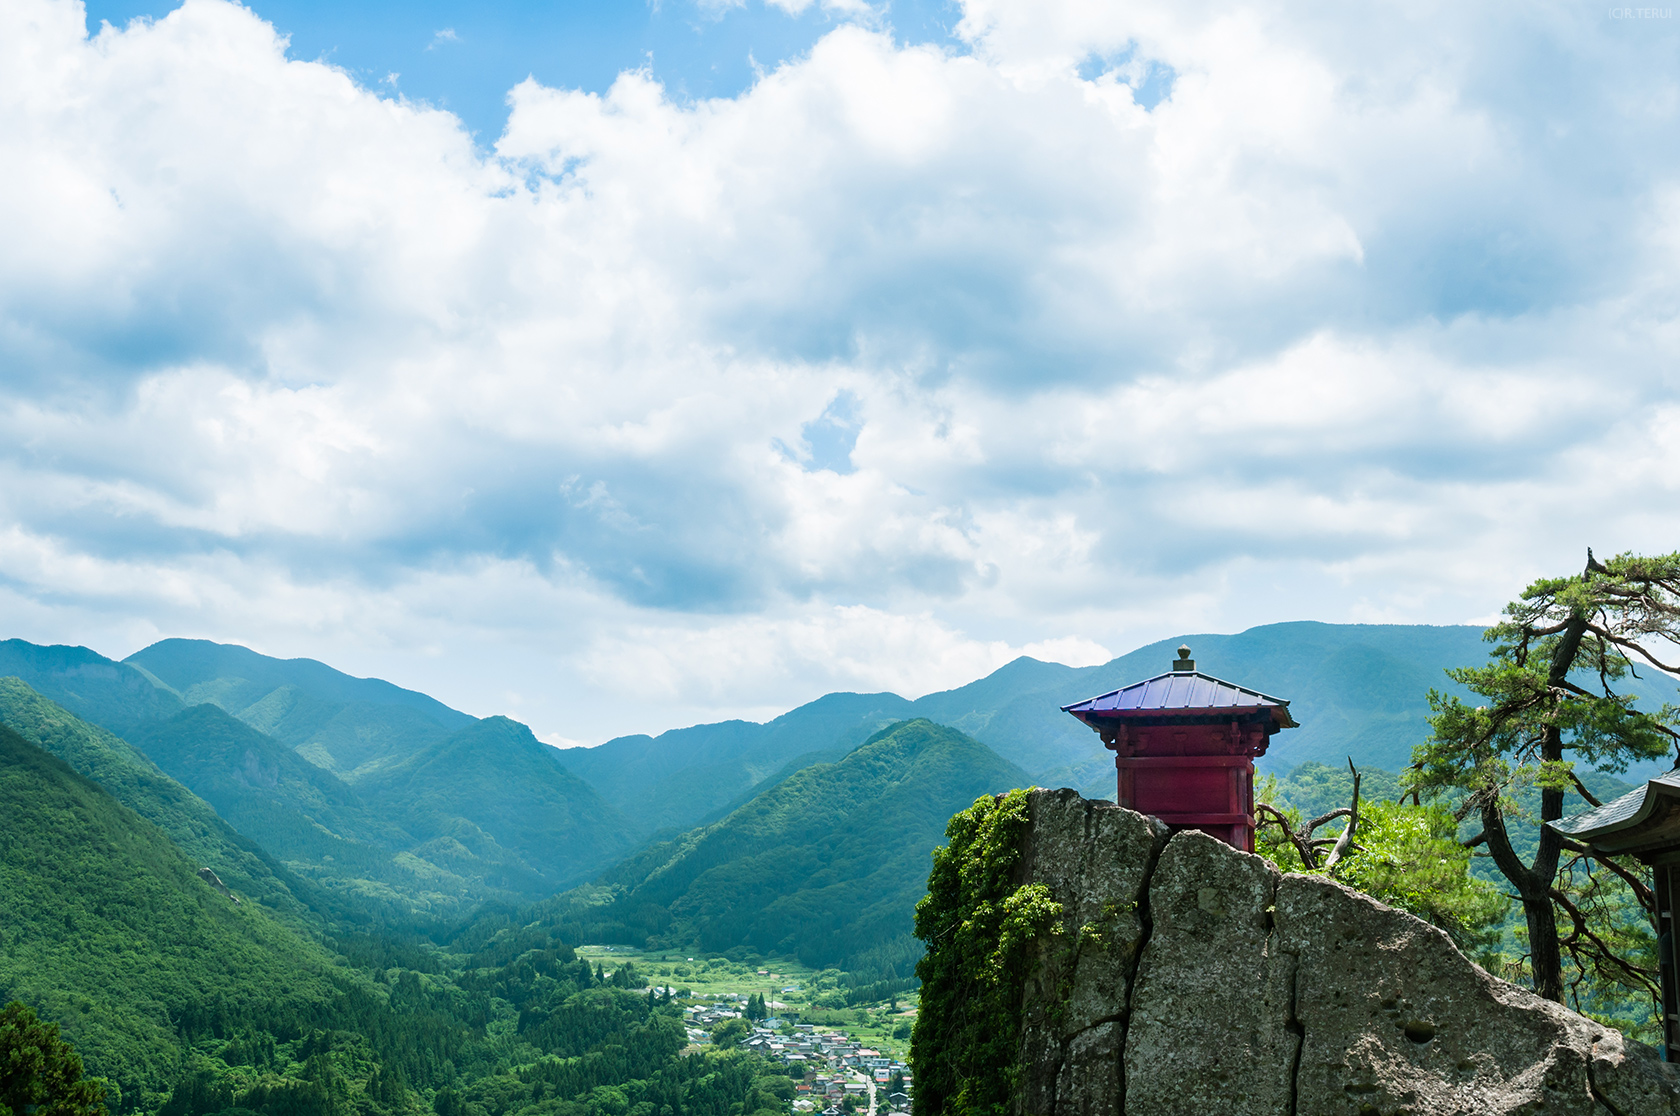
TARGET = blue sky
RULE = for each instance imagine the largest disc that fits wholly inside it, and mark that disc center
(618, 368)
(464, 57)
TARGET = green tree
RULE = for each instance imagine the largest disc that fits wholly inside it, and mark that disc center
(729, 1034)
(1550, 702)
(40, 1074)
(1408, 856)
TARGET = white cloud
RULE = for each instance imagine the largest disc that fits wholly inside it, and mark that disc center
(1369, 315)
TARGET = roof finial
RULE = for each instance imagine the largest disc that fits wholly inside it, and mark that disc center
(1185, 664)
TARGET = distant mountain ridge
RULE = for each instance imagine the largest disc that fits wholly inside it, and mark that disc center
(385, 795)
(342, 723)
(1356, 689)
(827, 864)
(113, 695)
(678, 778)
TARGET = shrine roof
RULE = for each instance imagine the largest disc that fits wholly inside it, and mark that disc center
(1180, 692)
(1624, 822)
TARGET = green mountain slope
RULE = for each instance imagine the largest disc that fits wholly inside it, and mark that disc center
(124, 772)
(342, 723)
(314, 824)
(485, 813)
(94, 688)
(110, 932)
(679, 778)
(263, 788)
(495, 802)
(827, 864)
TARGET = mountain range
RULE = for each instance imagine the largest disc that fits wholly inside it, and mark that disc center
(1358, 690)
(385, 803)
(394, 801)
(197, 840)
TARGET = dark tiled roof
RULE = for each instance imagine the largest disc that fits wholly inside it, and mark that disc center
(1187, 692)
(1622, 813)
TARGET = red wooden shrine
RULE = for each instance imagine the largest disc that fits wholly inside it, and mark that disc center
(1184, 745)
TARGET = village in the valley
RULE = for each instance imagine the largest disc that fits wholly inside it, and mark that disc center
(838, 1068)
(840, 1074)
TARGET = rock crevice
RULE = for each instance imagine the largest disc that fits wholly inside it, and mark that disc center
(1188, 977)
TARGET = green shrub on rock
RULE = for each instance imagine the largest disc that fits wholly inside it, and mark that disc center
(979, 929)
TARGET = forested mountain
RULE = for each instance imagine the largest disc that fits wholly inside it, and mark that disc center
(316, 825)
(484, 813)
(683, 776)
(344, 724)
(827, 864)
(493, 800)
(107, 693)
(110, 931)
(386, 801)
(135, 781)
(189, 1002)
(474, 807)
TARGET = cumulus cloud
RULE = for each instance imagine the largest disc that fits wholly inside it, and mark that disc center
(1096, 324)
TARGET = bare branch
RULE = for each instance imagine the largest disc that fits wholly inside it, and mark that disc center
(1574, 689)
(1641, 890)
(1633, 645)
(1600, 953)
(1478, 839)
(1346, 839)
(1330, 817)
(1308, 858)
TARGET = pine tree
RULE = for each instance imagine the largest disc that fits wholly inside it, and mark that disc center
(40, 1073)
(1547, 702)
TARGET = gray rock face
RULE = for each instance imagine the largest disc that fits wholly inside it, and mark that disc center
(1210, 1029)
(1392, 1013)
(1197, 979)
(1096, 859)
(215, 881)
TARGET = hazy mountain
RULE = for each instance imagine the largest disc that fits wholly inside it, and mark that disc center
(110, 932)
(494, 801)
(124, 772)
(683, 776)
(484, 813)
(94, 688)
(827, 864)
(299, 812)
(1356, 689)
(384, 797)
(345, 724)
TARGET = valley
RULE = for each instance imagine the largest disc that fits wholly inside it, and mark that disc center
(424, 912)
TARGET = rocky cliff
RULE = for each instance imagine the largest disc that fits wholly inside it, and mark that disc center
(1187, 977)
